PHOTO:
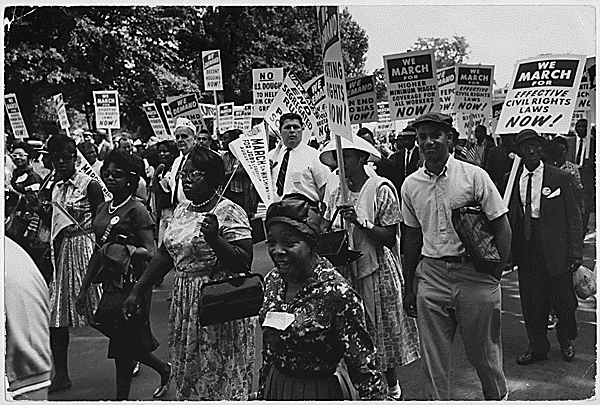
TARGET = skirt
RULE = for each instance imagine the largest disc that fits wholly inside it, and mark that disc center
(281, 386)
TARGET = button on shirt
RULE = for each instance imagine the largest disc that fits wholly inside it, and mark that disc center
(305, 173)
(428, 201)
(536, 189)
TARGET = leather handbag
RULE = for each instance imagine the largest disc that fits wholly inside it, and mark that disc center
(238, 297)
(474, 231)
(584, 281)
(108, 317)
(334, 245)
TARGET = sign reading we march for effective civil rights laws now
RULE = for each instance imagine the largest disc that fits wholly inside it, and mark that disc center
(412, 84)
(14, 116)
(211, 64)
(362, 99)
(542, 94)
(336, 98)
(106, 104)
(473, 96)
(265, 84)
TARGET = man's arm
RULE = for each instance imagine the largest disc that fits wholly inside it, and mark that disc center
(412, 241)
(503, 234)
(574, 225)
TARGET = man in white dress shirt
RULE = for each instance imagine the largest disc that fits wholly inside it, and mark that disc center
(185, 137)
(296, 167)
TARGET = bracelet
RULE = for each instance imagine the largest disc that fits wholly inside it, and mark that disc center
(368, 225)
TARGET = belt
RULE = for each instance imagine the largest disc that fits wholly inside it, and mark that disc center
(305, 374)
(452, 259)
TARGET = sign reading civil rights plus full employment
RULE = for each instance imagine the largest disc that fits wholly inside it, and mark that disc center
(362, 99)
(265, 84)
(211, 64)
(61, 110)
(155, 121)
(187, 106)
(106, 104)
(412, 84)
(336, 97)
(542, 94)
(14, 116)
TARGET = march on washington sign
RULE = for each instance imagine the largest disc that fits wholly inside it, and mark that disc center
(362, 99)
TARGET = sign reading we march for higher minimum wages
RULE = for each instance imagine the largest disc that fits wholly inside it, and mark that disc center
(106, 103)
(412, 84)
(542, 94)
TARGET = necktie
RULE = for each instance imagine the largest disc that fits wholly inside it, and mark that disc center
(527, 224)
(177, 180)
(580, 151)
(406, 162)
(282, 172)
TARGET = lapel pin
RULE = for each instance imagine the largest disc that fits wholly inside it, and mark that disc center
(546, 191)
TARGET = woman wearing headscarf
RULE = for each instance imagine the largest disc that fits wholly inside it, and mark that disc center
(312, 319)
(208, 239)
(373, 210)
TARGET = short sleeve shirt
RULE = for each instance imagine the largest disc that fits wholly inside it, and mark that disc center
(305, 173)
(428, 201)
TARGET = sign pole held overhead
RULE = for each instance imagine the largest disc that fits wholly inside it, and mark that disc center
(216, 117)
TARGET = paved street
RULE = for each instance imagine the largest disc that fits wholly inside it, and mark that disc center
(93, 374)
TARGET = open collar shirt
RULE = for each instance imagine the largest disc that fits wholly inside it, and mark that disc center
(428, 200)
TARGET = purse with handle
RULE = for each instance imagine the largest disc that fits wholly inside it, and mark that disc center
(334, 245)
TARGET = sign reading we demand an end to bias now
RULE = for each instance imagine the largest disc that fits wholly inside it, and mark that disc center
(362, 99)
(542, 94)
(412, 84)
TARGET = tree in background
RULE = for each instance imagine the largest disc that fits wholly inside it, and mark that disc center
(149, 53)
(448, 52)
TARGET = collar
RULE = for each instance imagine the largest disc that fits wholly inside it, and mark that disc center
(449, 163)
(70, 180)
(537, 172)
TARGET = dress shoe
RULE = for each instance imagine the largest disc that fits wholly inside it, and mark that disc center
(164, 388)
(530, 358)
(567, 350)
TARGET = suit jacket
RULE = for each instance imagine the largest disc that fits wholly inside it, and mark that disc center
(398, 160)
(498, 163)
(560, 221)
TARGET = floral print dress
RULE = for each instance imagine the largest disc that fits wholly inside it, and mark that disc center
(214, 362)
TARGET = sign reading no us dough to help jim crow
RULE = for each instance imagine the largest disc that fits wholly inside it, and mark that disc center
(362, 99)
(14, 116)
(336, 97)
(155, 121)
(106, 104)
(211, 64)
(61, 110)
(542, 94)
(412, 84)
(265, 84)
(187, 106)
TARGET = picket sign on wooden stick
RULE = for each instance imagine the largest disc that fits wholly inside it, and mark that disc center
(511, 180)
(216, 115)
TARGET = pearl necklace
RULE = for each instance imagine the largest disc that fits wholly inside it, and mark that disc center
(112, 210)
(204, 203)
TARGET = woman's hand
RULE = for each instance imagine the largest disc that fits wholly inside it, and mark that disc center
(80, 302)
(210, 227)
(130, 306)
(347, 212)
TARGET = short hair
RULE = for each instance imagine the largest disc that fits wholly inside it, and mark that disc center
(25, 146)
(481, 127)
(84, 146)
(365, 133)
(290, 116)
(410, 128)
(233, 133)
(582, 120)
(170, 145)
(455, 134)
(203, 131)
(562, 141)
(125, 162)
(60, 144)
(203, 158)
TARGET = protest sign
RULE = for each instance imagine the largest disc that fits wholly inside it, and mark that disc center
(225, 117)
(265, 84)
(238, 117)
(412, 84)
(542, 94)
(315, 91)
(208, 110)
(82, 165)
(583, 103)
(384, 128)
(106, 104)
(497, 104)
(251, 151)
(291, 98)
(247, 117)
(473, 94)
(14, 116)
(61, 111)
(447, 85)
(169, 117)
(155, 121)
(577, 115)
(362, 99)
(211, 64)
(590, 67)
(187, 106)
(336, 97)
(383, 111)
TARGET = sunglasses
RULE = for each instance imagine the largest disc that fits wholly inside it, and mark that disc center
(115, 174)
(193, 175)
(56, 157)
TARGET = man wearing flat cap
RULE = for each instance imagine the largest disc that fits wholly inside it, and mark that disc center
(443, 288)
(547, 247)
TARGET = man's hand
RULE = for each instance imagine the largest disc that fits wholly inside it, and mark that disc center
(409, 301)
(574, 263)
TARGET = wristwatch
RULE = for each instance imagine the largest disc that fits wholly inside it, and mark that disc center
(367, 224)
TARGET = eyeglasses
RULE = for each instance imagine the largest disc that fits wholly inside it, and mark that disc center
(193, 175)
(61, 156)
(116, 174)
(19, 155)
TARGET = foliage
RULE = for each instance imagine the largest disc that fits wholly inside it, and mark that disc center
(149, 53)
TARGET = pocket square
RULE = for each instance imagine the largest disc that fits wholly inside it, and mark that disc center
(555, 193)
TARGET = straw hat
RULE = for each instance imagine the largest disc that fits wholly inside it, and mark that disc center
(328, 153)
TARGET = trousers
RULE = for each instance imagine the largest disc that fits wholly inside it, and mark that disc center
(453, 296)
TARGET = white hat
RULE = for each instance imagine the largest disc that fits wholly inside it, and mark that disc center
(328, 152)
(184, 122)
